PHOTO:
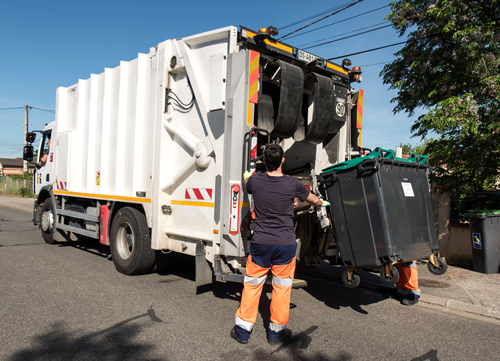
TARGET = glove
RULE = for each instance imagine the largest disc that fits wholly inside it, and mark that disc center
(325, 203)
(247, 175)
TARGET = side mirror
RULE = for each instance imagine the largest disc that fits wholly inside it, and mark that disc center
(30, 137)
(28, 153)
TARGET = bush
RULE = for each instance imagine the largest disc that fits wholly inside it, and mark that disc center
(26, 192)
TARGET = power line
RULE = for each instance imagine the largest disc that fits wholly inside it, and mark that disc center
(314, 16)
(384, 62)
(323, 18)
(349, 32)
(45, 110)
(11, 115)
(337, 22)
(11, 108)
(347, 37)
(367, 51)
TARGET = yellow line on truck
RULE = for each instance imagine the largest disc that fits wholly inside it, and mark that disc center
(272, 42)
(203, 204)
(104, 196)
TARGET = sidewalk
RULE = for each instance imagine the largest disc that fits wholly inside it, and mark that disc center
(25, 204)
(458, 289)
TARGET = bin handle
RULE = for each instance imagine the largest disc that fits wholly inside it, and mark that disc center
(362, 169)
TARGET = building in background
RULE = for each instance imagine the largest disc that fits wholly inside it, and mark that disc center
(14, 166)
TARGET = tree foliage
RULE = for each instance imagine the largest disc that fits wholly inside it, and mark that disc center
(419, 149)
(450, 67)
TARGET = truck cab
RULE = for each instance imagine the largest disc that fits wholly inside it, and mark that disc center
(43, 175)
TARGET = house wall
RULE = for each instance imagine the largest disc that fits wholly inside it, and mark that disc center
(12, 171)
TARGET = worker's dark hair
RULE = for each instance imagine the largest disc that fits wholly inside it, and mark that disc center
(273, 154)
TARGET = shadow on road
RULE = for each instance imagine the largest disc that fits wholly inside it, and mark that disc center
(114, 343)
(286, 353)
(338, 297)
(88, 245)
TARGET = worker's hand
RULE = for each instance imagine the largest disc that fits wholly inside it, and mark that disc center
(247, 175)
(325, 203)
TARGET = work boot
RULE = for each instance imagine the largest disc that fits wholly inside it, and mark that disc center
(285, 337)
(235, 336)
(410, 299)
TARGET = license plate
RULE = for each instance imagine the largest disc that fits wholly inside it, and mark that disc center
(306, 56)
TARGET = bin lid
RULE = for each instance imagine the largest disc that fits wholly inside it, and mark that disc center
(482, 213)
(377, 153)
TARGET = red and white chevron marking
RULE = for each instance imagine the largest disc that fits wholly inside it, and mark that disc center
(61, 185)
(204, 194)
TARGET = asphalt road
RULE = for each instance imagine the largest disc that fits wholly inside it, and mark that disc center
(67, 302)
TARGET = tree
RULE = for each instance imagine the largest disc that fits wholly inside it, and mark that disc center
(407, 148)
(419, 149)
(449, 66)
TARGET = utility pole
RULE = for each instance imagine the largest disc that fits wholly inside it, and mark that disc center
(25, 163)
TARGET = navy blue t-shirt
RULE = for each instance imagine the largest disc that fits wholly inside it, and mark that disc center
(273, 200)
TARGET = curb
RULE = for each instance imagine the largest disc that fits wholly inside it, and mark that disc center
(443, 303)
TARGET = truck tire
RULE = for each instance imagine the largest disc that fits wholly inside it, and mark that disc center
(47, 222)
(131, 242)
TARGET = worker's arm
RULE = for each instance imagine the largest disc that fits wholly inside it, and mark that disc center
(42, 161)
(247, 175)
(313, 200)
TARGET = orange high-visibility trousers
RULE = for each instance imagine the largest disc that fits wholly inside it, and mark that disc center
(408, 278)
(283, 268)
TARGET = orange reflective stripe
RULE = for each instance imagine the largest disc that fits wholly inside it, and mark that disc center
(408, 278)
(280, 304)
(285, 270)
(249, 302)
(254, 270)
(251, 292)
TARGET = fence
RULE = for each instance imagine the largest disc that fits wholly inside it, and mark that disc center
(13, 186)
(461, 203)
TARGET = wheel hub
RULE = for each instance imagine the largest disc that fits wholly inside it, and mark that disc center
(47, 221)
(125, 241)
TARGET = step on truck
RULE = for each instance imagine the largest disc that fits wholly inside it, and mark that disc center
(149, 156)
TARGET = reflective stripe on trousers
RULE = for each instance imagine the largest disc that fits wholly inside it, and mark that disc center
(408, 278)
(255, 276)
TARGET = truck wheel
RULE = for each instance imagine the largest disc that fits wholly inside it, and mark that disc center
(440, 270)
(131, 242)
(391, 279)
(353, 283)
(47, 222)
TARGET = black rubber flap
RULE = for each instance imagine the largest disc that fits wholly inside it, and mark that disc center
(291, 89)
(317, 130)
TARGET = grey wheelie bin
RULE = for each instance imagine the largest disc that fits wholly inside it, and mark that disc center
(381, 210)
(485, 236)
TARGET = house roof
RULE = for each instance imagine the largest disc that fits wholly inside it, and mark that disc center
(13, 163)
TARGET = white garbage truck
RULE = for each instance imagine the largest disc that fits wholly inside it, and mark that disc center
(149, 156)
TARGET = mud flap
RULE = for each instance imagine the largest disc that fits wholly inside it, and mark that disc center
(315, 133)
(203, 271)
(285, 121)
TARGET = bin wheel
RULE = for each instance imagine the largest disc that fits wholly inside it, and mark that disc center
(441, 269)
(391, 279)
(353, 283)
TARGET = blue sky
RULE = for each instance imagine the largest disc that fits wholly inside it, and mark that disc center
(47, 44)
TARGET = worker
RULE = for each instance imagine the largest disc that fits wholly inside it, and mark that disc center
(273, 246)
(407, 286)
(44, 157)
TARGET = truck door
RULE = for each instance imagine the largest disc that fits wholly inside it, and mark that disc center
(45, 158)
